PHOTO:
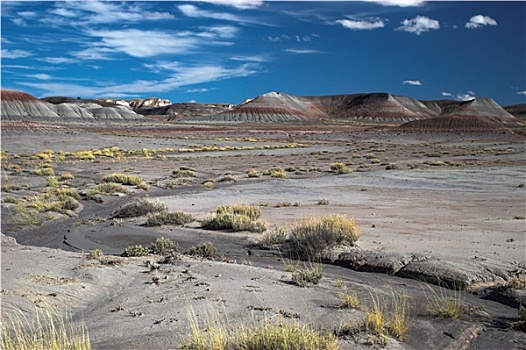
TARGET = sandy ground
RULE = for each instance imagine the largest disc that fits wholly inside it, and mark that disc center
(469, 215)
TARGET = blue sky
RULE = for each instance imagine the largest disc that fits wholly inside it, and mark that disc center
(229, 50)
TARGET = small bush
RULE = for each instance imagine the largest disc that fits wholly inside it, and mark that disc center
(135, 250)
(169, 218)
(340, 168)
(323, 202)
(310, 236)
(391, 166)
(163, 246)
(43, 172)
(449, 304)
(140, 207)
(9, 199)
(123, 179)
(205, 250)
(66, 176)
(95, 254)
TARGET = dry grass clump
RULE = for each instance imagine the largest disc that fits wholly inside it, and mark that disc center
(340, 168)
(184, 172)
(379, 321)
(308, 274)
(140, 207)
(169, 218)
(43, 171)
(47, 330)
(349, 300)
(278, 172)
(253, 173)
(311, 235)
(517, 283)
(236, 222)
(135, 250)
(124, 179)
(274, 237)
(107, 188)
(447, 304)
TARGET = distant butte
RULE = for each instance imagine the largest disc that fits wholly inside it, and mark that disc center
(402, 112)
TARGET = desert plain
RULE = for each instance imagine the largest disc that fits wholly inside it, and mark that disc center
(441, 218)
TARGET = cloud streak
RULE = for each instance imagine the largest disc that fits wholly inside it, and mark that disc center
(412, 82)
(419, 25)
(15, 53)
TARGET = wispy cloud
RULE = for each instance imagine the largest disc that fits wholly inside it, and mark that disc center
(521, 92)
(479, 21)
(259, 59)
(15, 53)
(419, 25)
(177, 75)
(361, 24)
(400, 3)
(301, 52)
(141, 43)
(197, 90)
(446, 94)
(58, 60)
(240, 4)
(40, 76)
(412, 82)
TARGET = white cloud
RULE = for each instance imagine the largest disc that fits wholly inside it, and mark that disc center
(480, 20)
(361, 25)
(521, 92)
(419, 24)
(447, 94)
(197, 90)
(465, 96)
(412, 82)
(300, 51)
(240, 4)
(259, 59)
(15, 53)
(400, 3)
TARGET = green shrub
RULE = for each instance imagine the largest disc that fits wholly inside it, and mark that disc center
(340, 168)
(310, 236)
(205, 250)
(236, 222)
(169, 218)
(140, 207)
(163, 246)
(135, 250)
(123, 179)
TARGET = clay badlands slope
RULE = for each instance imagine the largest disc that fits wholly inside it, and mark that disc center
(381, 108)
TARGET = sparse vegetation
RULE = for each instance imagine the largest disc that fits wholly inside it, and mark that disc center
(349, 300)
(169, 218)
(107, 188)
(183, 172)
(47, 330)
(278, 172)
(323, 202)
(253, 173)
(391, 166)
(140, 207)
(310, 236)
(447, 304)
